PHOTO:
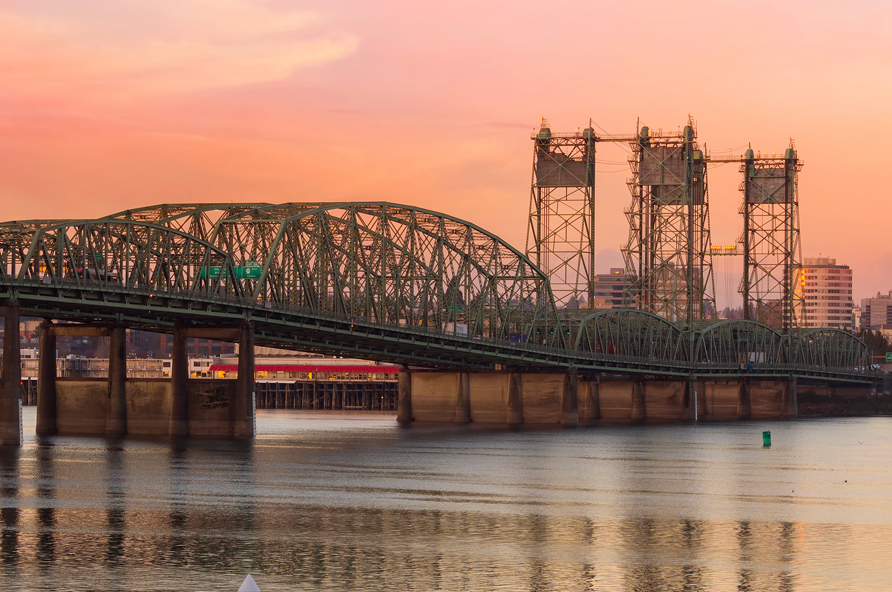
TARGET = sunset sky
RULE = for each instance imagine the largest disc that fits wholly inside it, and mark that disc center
(112, 104)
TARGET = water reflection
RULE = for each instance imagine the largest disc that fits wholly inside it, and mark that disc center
(9, 513)
(46, 511)
(116, 489)
(340, 506)
(177, 541)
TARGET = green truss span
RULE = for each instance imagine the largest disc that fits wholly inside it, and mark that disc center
(375, 280)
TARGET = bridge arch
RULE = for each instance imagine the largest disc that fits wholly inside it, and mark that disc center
(394, 264)
(738, 342)
(831, 348)
(198, 219)
(632, 333)
(127, 256)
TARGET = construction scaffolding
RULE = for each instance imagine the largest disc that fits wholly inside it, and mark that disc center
(770, 239)
(561, 234)
(668, 252)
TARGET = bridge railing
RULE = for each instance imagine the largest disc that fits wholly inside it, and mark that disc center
(242, 307)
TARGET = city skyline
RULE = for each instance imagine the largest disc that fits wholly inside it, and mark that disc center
(432, 106)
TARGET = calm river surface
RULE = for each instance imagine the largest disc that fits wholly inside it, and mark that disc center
(322, 502)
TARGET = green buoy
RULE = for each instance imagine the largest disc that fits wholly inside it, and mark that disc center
(766, 439)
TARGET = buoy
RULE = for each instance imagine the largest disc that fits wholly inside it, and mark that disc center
(248, 585)
(766, 441)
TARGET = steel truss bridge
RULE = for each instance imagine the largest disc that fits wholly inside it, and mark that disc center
(379, 281)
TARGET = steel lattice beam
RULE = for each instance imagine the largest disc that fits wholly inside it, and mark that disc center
(561, 234)
(771, 247)
(668, 253)
(374, 280)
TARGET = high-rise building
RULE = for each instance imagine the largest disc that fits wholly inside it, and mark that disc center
(827, 291)
(607, 289)
(877, 311)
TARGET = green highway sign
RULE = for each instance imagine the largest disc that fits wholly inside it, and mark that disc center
(213, 272)
(249, 271)
(889, 356)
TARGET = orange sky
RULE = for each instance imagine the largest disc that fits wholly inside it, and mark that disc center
(111, 104)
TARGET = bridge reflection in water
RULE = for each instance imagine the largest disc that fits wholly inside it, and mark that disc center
(376, 281)
(333, 504)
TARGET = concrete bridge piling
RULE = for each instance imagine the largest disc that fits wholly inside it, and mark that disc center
(46, 380)
(527, 398)
(118, 406)
(178, 407)
(10, 380)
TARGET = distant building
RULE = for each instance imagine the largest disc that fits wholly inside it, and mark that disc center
(856, 318)
(827, 289)
(608, 289)
(876, 312)
(886, 331)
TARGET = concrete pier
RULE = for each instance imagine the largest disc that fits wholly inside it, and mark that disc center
(179, 385)
(639, 402)
(514, 411)
(10, 381)
(116, 410)
(791, 402)
(463, 399)
(529, 398)
(542, 398)
(118, 406)
(46, 381)
(589, 402)
(404, 397)
(82, 406)
(570, 400)
(743, 400)
(665, 400)
(245, 406)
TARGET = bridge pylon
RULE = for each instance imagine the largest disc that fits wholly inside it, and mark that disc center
(771, 247)
(668, 252)
(11, 379)
(561, 233)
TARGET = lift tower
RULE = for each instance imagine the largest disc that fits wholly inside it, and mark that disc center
(771, 248)
(668, 253)
(561, 234)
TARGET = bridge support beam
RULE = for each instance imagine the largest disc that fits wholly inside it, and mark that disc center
(179, 385)
(46, 381)
(639, 405)
(692, 408)
(589, 402)
(744, 408)
(245, 405)
(116, 414)
(791, 399)
(404, 397)
(515, 399)
(11, 379)
(570, 400)
(463, 400)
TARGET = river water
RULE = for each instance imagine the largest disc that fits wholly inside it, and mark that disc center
(350, 503)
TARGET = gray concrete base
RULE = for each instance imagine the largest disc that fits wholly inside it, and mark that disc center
(81, 407)
(508, 398)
